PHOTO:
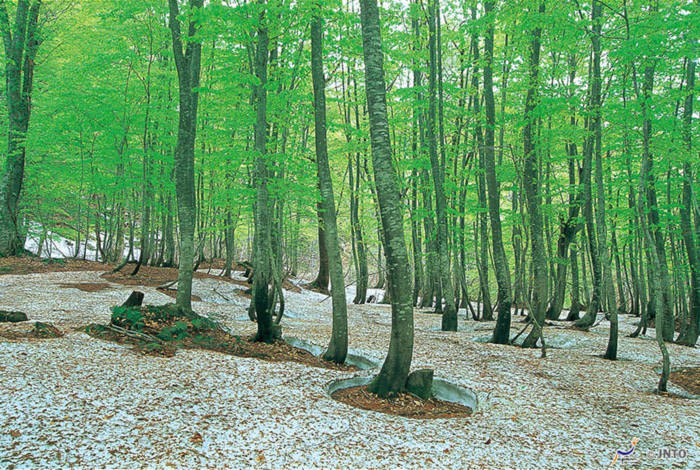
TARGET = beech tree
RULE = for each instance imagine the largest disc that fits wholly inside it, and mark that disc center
(188, 62)
(21, 42)
(338, 347)
(392, 377)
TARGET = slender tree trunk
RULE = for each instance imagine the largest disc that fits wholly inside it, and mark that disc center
(690, 336)
(323, 277)
(532, 195)
(645, 203)
(501, 332)
(449, 316)
(338, 346)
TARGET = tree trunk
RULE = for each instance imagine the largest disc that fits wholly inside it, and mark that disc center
(692, 329)
(323, 277)
(20, 44)
(645, 204)
(338, 346)
(501, 332)
(188, 62)
(262, 250)
(449, 316)
(392, 377)
(532, 195)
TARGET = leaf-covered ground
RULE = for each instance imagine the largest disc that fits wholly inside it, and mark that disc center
(77, 401)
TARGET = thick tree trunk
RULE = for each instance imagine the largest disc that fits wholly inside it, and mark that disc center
(262, 250)
(20, 44)
(188, 62)
(392, 377)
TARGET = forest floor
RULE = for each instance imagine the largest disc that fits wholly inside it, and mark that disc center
(82, 402)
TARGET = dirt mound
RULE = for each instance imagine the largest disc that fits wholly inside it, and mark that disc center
(403, 404)
(161, 330)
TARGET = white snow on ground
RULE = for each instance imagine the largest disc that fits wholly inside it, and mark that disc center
(82, 402)
(58, 247)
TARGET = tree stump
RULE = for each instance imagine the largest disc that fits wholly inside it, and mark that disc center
(420, 383)
(134, 300)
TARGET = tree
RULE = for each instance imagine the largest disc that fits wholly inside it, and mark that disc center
(262, 248)
(392, 377)
(690, 336)
(338, 347)
(188, 63)
(21, 43)
(449, 316)
(501, 332)
(531, 182)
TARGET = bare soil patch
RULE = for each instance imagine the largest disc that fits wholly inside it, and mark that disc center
(403, 404)
(31, 264)
(38, 331)
(173, 293)
(86, 286)
(154, 277)
(161, 330)
(688, 378)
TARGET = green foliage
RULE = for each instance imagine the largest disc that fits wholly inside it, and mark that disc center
(127, 317)
(177, 332)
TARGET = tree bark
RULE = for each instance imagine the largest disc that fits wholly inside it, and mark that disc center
(532, 195)
(21, 43)
(188, 64)
(501, 332)
(449, 316)
(392, 377)
(338, 346)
